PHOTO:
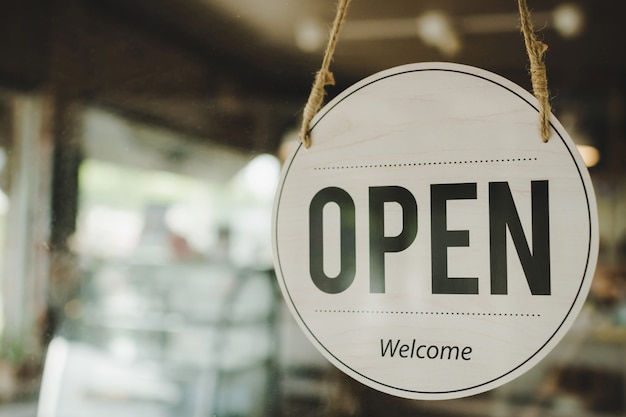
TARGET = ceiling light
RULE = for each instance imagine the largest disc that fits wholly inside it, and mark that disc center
(435, 29)
(584, 143)
(568, 20)
(590, 155)
(260, 177)
(309, 35)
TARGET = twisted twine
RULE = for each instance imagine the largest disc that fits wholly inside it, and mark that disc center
(323, 77)
(535, 49)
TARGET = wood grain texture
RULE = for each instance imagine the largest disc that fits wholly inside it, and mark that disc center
(420, 127)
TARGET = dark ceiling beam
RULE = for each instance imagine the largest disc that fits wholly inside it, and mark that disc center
(95, 53)
(24, 29)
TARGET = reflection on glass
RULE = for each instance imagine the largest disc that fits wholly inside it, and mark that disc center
(175, 313)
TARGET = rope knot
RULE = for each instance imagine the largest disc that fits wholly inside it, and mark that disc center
(536, 51)
(323, 77)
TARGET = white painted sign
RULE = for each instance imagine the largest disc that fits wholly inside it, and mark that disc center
(429, 243)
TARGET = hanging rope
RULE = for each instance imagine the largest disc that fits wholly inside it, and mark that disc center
(536, 51)
(534, 48)
(323, 77)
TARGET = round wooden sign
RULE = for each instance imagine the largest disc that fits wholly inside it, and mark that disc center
(428, 243)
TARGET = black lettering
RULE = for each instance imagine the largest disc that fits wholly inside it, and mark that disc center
(388, 348)
(381, 244)
(332, 285)
(418, 352)
(503, 214)
(467, 350)
(403, 350)
(450, 350)
(441, 238)
(392, 347)
(436, 352)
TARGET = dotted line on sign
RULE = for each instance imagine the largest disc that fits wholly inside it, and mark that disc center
(421, 164)
(427, 313)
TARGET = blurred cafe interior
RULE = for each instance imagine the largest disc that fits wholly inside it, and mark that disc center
(140, 146)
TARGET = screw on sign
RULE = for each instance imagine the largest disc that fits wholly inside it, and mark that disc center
(429, 231)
